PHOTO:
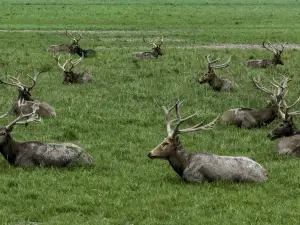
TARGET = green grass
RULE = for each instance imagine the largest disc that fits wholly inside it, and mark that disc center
(119, 119)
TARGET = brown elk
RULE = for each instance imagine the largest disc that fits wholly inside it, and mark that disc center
(289, 143)
(73, 48)
(35, 153)
(156, 50)
(253, 118)
(265, 63)
(24, 97)
(200, 167)
(217, 84)
(71, 77)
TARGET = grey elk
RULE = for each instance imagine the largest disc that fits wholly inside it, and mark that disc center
(254, 118)
(217, 84)
(156, 50)
(198, 166)
(289, 143)
(35, 153)
(73, 48)
(265, 63)
(25, 98)
(71, 77)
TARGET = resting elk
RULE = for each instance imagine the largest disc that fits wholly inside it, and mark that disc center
(73, 48)
(253, 118)
(156, 50)
(24, 97)
(200, 167)
(289, 143)
(35, 153)
(265, 63)
(71, 77)
(217, 84)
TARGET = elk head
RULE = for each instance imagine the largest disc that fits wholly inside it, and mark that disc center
(286, 127)
(69, 75)
(210, 75)
(21, 119)
(24, 90)
(165, 149)
(276, 59)
(74, 46)
(156, 46)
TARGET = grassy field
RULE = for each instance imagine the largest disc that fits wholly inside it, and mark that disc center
(119, 119)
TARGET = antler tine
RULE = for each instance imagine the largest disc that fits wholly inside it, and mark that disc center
(14, 82)
(32, 117)
(2, 116)
(74, 63)
(210, 62)
(57, 57)
(264, 46)
(168, 119)
(227, 63)
(149, 42)
(200, 126)
(259, 86)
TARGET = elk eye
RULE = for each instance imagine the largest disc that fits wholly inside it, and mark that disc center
(2, 133)
(164, 144)
(281, 125)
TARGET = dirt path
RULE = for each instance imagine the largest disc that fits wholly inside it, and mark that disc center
(118, 32)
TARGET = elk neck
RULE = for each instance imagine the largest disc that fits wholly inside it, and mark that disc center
(266, 114)
(180, 159)
(216, 83)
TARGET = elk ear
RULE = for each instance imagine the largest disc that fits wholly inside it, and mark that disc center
(176, 139)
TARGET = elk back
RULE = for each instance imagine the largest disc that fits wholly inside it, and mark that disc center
(45, 110)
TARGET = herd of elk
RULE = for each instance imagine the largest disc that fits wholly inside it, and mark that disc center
(156, 50)
(35, 153)
(217, 84)
(24, 97)
(200, 167)
(265, 63)
(71, 77)
(73, 48)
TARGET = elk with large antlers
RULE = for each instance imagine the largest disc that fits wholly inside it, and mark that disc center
(35, 153)
(24, 97)
(265, 63)
(253, 118)
(71, 77)
(156, 50)
(200, 167)
(289, 143)
(73, 48)
(217, 84)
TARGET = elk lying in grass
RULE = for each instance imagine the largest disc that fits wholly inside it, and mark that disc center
(211, 78)
(71, 77)
(199, 167)
(265, 63)
(253, 118)
(156, 50)
(45, 110)
(289, 143)
(73, 48)
(34, 153)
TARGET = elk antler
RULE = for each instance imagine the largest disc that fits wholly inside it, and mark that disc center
(69, 60)
(210, 63)
(31, 117)
(3, 115)
(272, 48)
(15, 81)
(75, 39)
(179, 120)
(155, 44)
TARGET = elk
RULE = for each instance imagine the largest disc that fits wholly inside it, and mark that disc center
(24, 97)
(265, 63)
(156, 50)
(35, 153)
(199, 167)
(71, 77)
(255, 118)
(289, 143)
(217, 84)
(73, 48)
